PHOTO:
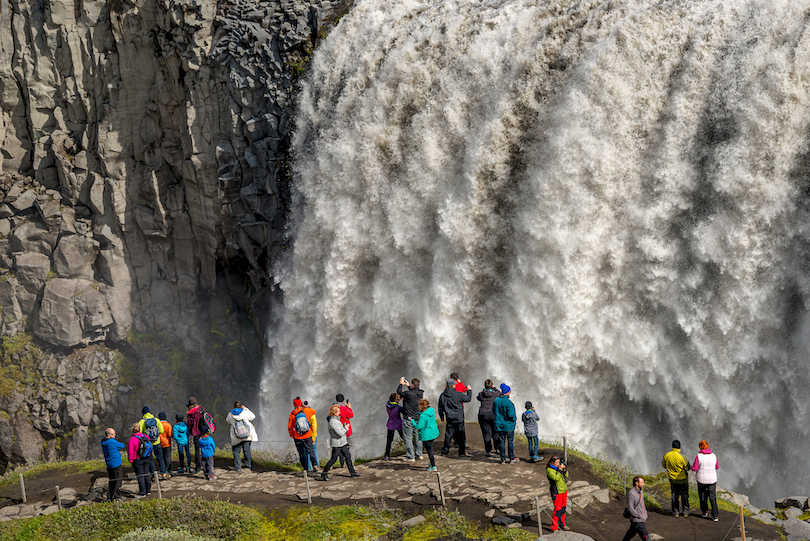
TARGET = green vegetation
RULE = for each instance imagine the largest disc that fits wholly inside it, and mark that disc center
(105, 521)
(300, 65)
(67, 468)
(16, 374)
(162, 534)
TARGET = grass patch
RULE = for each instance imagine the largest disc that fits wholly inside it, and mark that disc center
(107, 521)
(66, 468)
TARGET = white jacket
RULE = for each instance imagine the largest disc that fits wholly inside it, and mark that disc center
(337, 433)
(707, 468)
(246, 416)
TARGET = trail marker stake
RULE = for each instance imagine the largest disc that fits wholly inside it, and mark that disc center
(306, 481)
(441, 489)
(22, 488)
(742, 523)
(539, 522)
(58, 499)
(157, 484)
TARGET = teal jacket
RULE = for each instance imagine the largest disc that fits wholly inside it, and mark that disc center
(428, 429)
(505, 415)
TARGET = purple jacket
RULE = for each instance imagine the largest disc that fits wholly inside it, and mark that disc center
(394, 416)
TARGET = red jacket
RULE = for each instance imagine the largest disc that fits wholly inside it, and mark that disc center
(193, 420)
(309, 412)
(346, 414)
(460, 387)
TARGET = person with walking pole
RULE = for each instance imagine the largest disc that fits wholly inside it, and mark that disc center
(636, 511)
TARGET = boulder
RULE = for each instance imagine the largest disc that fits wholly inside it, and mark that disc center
(32, 270)
(602, 496)
(57, 322)
(796, 529)
(74, 257)
(8, 299)
(793, 512)
(25, 200)
(31, 237)
(792, 501)
(413, 521)
(93, 312)
(77, 447)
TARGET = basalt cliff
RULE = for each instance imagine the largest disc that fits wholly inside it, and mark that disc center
(143, 195)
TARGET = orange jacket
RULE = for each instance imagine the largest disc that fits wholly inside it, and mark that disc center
(166, 435)
(309, 412)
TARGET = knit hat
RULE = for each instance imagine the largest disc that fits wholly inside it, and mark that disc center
(505, 389)
(162, 416)
(204, 428)
(179, 417)
(676, 444)
(297, 403)
(192, 401)
(306, 402)
(528, 405)
(451, 383)
(145, 410)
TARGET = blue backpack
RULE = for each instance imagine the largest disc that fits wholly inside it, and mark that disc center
(151, 430)
(144, 447)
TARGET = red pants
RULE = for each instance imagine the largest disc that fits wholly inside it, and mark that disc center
(560, 500)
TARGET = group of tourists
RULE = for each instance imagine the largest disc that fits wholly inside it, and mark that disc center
(152, 439)
(705, 467)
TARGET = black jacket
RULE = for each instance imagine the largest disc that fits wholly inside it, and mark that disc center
(487, 397)
(410, 401)
(451, 404)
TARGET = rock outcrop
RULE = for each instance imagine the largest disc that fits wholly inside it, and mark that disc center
(142, 197)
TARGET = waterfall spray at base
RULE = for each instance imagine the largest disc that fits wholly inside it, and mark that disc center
(605, 204)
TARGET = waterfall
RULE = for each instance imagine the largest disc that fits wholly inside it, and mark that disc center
(605, 204)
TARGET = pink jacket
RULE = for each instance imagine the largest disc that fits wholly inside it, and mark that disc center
(132, 447)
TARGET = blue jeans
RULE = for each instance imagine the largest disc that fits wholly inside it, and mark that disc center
(534, 446)
(184, 449)
(317, 460)
(506, 437)
(238, 449)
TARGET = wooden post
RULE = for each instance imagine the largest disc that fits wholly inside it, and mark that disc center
(565, 450)
(22, 488)
(441, 489)
(157, 484)
(58, 499)
(742, 523)
(537, 516)
(306, 481)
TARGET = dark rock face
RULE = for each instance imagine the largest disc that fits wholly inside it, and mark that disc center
(142, 204)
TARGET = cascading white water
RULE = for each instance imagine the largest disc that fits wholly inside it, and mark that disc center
(605, 204)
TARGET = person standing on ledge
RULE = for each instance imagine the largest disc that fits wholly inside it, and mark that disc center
(486, 418)
(193, 420)
(557, 474)
(112, 456)
(677, 466)
(301, 432)
(636, 511)
(242, 433)
(451, 408)
(411, 395)
(346, 415)
(505, 418)
(706, 466)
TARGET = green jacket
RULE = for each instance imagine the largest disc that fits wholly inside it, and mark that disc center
(559, 478)
(676, 466)
(428, 429)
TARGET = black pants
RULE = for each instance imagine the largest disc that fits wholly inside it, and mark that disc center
(707, 494)
(487, 422)
(305, 449)
(338, 452)
(454, 430)
(390, 439)
(680, 491)
(427, 446)
(141, 467)
(636, 528)
(116, 478)
(197, 455)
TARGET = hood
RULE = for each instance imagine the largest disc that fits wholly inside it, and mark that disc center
(706, 451)
(237, 411)
(148, 416)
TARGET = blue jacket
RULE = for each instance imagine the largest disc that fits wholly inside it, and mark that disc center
(112, 451)
(180, 433)
(505, 415)
(207, 447)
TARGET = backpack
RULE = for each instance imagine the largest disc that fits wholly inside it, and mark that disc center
(144, 447)
(241, 429)
(151, 430)
(301, 422)
(206, 419)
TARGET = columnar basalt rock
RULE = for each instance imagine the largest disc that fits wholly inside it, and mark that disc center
(141, 144)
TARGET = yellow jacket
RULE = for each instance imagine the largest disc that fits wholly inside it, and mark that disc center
(676, 465)
(313, 423)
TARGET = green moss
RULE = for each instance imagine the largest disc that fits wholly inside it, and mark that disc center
(15, 375)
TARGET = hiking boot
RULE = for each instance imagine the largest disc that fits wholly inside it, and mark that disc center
(465, 455)
(410, 460)
(715, 519)
(355, 474)
(487, 454)
(418, 457)
(180, 471)
(514, 460)
(566, 528)
(386, 457)
(432, 468)
(705, 515)
(323, 477)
